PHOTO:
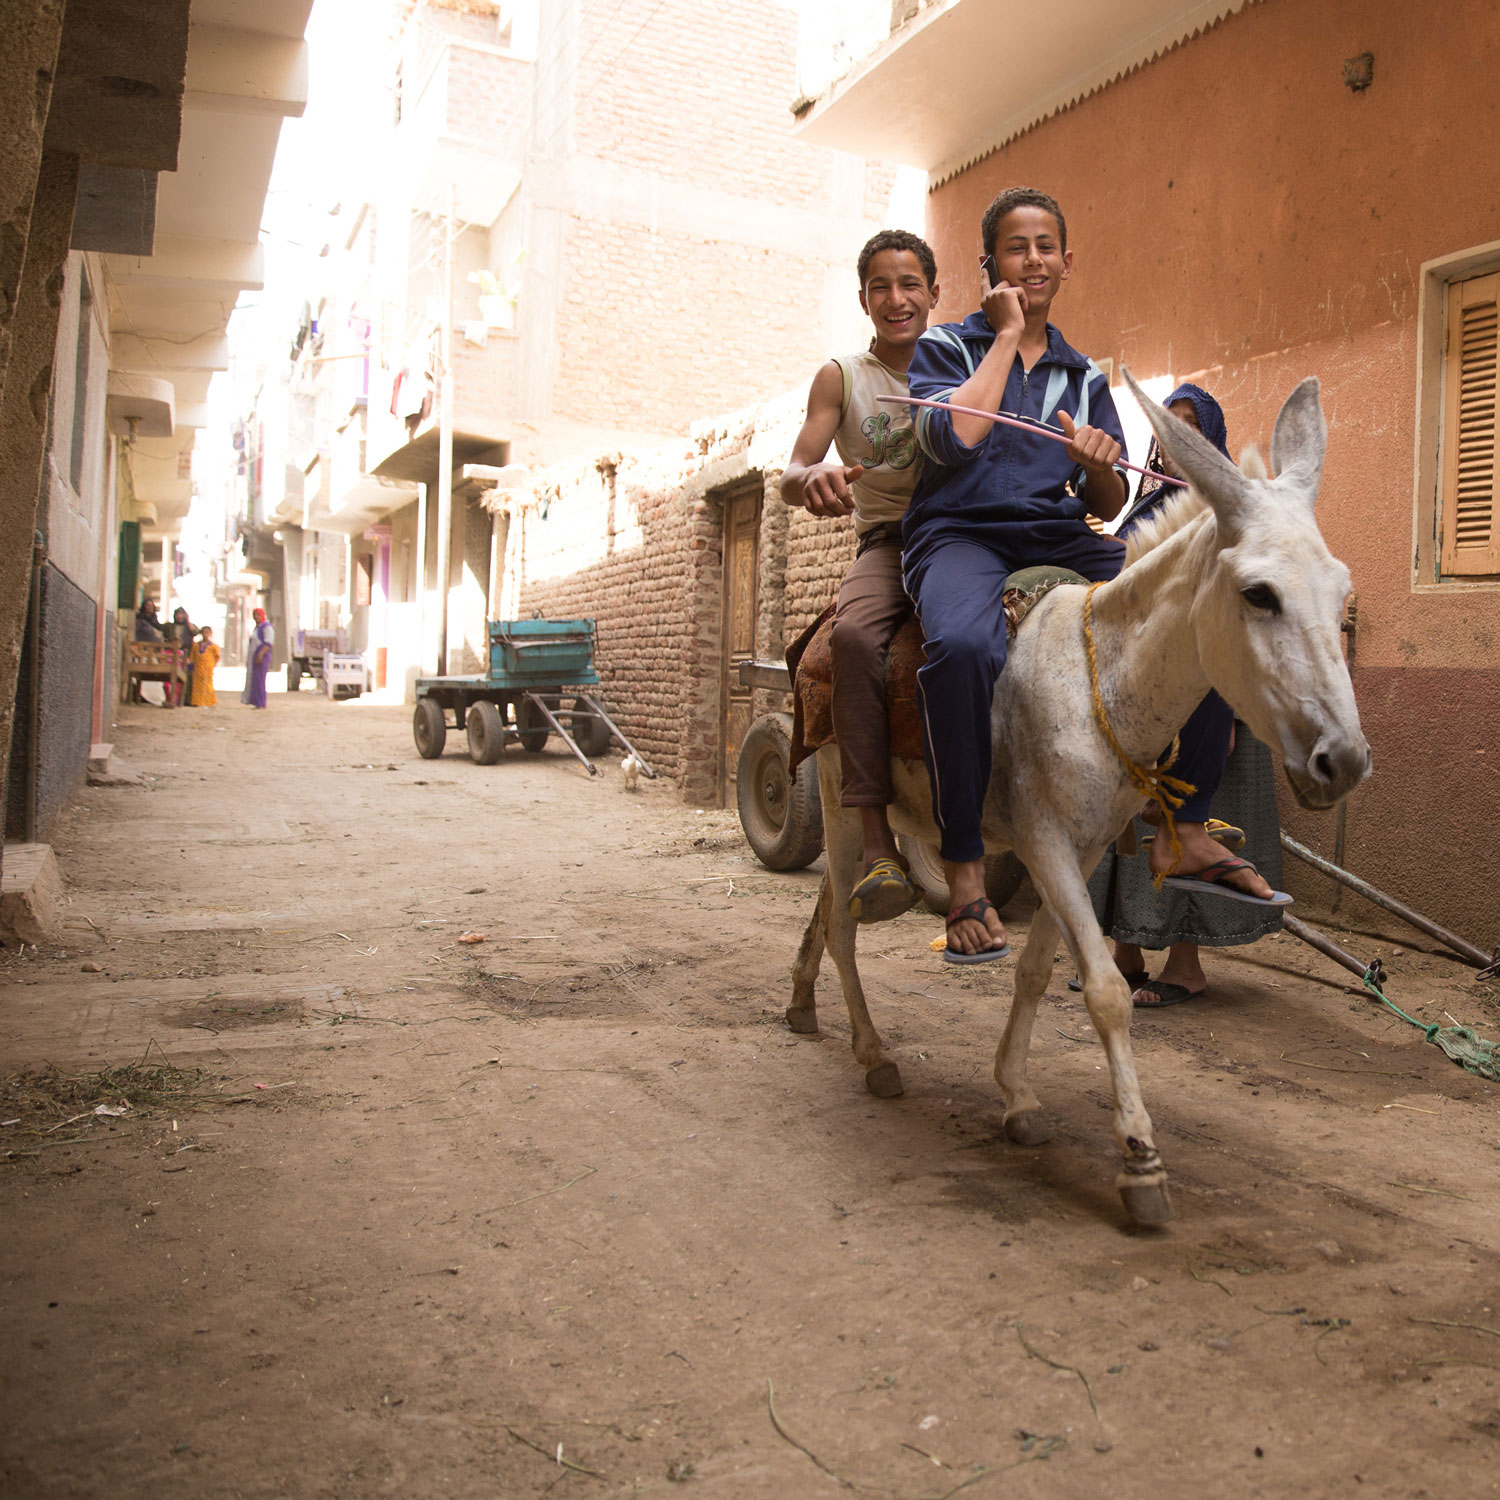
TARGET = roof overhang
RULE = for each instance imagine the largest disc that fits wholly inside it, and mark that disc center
(185, 238)
(365, 502)
(139, 405)
(417, 461)
(939, 94)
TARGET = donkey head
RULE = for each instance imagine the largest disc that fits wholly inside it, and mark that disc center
(1268, 605)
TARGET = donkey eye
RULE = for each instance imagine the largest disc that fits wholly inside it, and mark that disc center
(1262, 596)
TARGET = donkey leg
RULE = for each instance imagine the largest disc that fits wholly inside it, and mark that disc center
(802, 1013)
(1143, 1179)
(844, 844)
(1025, 1123)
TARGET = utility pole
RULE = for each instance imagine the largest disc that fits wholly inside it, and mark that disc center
(445, 437)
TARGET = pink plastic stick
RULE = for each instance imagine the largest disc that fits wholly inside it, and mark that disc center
(1040, 428)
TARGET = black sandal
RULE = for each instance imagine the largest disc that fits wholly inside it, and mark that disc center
(1166, 993)
(974, 912)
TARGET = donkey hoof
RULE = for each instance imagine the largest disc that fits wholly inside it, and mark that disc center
(884, 1081)
(1147, 1199)
(803, 1022)
(1028, 1127)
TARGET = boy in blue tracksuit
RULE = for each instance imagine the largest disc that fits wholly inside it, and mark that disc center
(993, 500)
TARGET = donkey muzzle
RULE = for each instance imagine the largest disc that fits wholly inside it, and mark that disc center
(1335, 765)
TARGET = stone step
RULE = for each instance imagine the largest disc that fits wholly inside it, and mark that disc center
(99, 758)
(31, 894)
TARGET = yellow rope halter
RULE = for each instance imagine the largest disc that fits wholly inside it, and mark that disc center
(1168, 792)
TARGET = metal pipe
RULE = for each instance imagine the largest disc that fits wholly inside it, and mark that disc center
(615, 730)
(1451, 940)
(1315, 939)
(567, 739)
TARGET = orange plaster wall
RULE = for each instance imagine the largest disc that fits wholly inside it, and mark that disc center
(1240, 215)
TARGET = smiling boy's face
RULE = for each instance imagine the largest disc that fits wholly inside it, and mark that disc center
(897, 297)
(1029, 254)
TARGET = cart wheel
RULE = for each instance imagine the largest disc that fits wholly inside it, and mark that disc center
(533, 728)
(293, 677)
(486, 733)
(1003, 874)
(782, 815)
(591, 734)
(428, 728)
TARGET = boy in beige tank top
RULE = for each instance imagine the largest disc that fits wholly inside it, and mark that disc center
(872, 480)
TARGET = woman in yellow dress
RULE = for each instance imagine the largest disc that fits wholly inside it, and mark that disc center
(205, 659)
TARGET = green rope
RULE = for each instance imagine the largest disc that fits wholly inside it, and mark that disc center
(1466, 1047)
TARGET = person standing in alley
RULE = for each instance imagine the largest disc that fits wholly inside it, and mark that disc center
(204, 657)
(258, 659)
(181, 631)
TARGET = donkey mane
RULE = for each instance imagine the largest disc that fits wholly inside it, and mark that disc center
(1180, 511)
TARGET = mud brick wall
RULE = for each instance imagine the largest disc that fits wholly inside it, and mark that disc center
(818, 554)
(613, 546)
(701, 221)
(634, 541)
(621, 274)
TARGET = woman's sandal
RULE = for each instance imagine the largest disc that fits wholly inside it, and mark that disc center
(1165, 993)
(974, 912)
(886, 890)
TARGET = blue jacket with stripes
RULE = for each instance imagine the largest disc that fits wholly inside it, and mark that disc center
(1007, 475)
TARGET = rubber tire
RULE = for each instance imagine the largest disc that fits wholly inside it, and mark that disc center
(293, 677)
(533, 728)
(592, 736)
(1003, 874)
(486, 732)
(782, 816)
(428, 728)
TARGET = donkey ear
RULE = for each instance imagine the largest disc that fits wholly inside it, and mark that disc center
(1199, 462)
(1300, 440)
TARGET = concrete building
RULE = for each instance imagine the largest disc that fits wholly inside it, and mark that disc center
(137, 142)
(587, 275)
(1257, 192)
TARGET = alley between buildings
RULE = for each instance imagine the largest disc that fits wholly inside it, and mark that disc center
(566, 1210)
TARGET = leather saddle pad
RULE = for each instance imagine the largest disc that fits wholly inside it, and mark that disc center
(810, 661)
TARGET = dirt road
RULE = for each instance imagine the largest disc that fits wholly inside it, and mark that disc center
(556, 1213)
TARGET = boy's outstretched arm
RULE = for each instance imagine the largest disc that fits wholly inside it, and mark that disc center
(809, 480)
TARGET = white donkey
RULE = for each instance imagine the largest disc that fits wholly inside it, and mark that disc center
(1240, 594)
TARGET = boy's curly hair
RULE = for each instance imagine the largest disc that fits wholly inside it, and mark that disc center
(1020, 197)
(898, 239)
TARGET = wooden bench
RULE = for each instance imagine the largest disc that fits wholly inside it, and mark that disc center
(154, 661)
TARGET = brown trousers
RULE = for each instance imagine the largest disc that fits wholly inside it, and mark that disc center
(872, 606)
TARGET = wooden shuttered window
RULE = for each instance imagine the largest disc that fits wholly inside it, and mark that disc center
(1470, 499)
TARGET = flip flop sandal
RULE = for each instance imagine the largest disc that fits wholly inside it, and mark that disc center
(1166, 994)
(1212, 881)
(885, 891)
(1135, 981)
(974, 911)
(1232, 838)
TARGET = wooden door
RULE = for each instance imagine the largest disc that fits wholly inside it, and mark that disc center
(741, 599)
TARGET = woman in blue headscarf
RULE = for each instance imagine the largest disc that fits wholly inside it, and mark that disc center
(1191, 404)
(1233, 774)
